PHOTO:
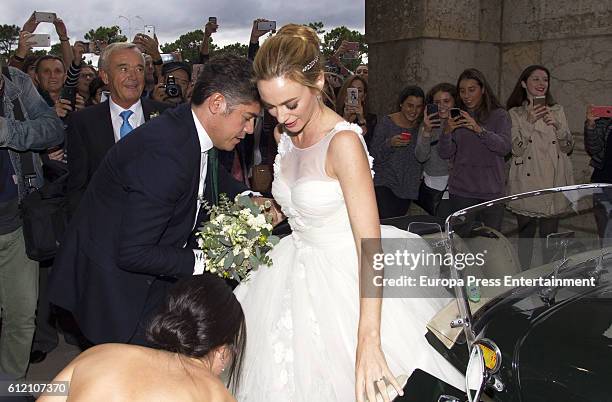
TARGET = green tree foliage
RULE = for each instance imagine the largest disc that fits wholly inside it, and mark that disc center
(237, 49)
(106, 34)
(317, 26)
(188, 44)
(56, 50)
(9, 37)
(332, 40)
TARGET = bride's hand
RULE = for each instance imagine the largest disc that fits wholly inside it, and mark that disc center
(371, 371)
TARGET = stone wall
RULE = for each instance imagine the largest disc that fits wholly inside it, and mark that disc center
(424, 42)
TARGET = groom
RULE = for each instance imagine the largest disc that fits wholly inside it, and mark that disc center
(126, 243)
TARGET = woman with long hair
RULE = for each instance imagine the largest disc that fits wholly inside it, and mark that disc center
(357, 113)
(398, 172)
(476, 142)
(312, 335)
(433, 194)
(541, 142)
(198, 334)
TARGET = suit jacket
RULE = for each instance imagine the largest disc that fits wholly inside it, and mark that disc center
(90, 136)
(130, 228)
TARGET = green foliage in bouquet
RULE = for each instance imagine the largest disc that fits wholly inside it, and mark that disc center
(237, 238)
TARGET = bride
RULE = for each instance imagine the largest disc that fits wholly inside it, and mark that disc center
(310, 335)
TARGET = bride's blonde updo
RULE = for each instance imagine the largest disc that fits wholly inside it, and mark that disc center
(294, 53)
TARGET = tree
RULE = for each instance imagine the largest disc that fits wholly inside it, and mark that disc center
(317, 26)
(333, 39)
(188, 44)
(106, 34)
(9, 37)
(56, 50)
(237, 49)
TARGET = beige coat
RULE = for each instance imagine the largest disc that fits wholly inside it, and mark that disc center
(540, 160)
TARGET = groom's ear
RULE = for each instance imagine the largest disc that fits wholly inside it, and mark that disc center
(216, 103)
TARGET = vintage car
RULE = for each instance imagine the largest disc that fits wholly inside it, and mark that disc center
(534, 321)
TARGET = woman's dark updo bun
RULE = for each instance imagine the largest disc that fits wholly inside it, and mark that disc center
(200, 314)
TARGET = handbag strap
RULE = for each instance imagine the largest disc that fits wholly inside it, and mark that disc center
(27, 164)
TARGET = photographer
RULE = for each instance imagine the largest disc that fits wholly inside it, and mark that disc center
(26, 123)
(176, 77)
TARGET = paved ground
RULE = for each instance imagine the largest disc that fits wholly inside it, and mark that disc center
(55, 361)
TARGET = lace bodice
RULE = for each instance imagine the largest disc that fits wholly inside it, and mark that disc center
(309, 198)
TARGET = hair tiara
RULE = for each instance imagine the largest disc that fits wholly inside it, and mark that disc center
(311, 64)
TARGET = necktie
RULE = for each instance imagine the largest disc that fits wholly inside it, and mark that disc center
(214, 166)
(126, 127)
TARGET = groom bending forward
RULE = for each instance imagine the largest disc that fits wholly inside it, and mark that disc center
(127, 241)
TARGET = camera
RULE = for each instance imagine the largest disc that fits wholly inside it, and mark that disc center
(173, 90)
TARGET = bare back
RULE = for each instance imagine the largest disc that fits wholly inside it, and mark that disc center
(115, 372)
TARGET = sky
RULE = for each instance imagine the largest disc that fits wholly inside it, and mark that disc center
(234, 17)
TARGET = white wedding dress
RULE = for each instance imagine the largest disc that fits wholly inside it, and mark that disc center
(302, 312)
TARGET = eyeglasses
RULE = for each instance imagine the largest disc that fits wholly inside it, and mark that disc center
(87, 75)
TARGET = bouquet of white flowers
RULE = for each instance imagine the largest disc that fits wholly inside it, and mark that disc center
(237, 237)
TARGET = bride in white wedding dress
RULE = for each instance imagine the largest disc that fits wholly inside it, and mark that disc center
(310, 335)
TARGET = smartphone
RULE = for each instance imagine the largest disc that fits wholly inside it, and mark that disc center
(41, 40)
(266, 25)
(539, 101)
(212, 20)
(455, 112)
(104, 96)
(602, 111)
(432, 108)
(69, 93)
(196, 69)
(352, 50)
(352, 97)
(149, 30)
(406, 136)
(44, 17)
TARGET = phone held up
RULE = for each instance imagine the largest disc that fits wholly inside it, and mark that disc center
(352, 50)
(41, 40)
(539, 101)
(455, 112)
(432, 108)
(149, 30)
(266, 25)
(212, 20)
(40, 16)
(602, 111)
(69, 93)
(352, 97)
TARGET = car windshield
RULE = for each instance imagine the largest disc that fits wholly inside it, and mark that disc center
(552, 244)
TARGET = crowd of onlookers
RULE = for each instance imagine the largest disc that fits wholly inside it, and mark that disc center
(451, 147)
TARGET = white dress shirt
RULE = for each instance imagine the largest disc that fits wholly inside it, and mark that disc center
(205, 145)
(135, 120)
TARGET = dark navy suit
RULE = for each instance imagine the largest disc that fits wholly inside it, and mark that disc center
(130, 227)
